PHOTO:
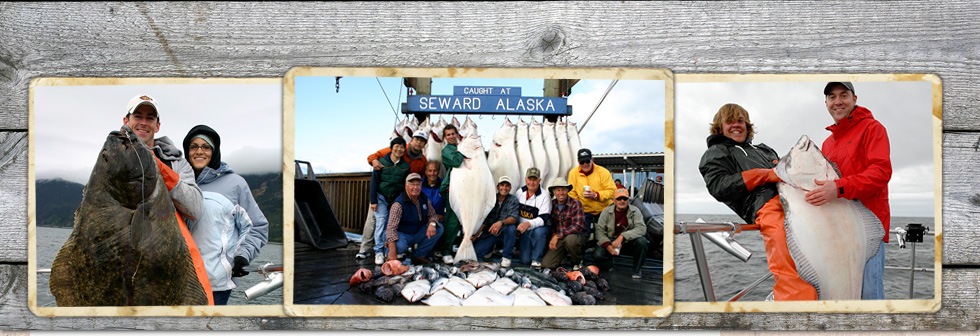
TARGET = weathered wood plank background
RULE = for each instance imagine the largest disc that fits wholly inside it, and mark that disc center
(266, 40)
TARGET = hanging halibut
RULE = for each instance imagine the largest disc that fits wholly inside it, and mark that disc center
(564, 153)
(831, 243)
(525, 159)
(468, 128)
(538, 152)
(471, 192)
(411, 124)
(551, 148)
(574, 143)
(440, 129)
(503, 155)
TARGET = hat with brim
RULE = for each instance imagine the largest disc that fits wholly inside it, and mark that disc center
(412, 177)
(621, 193)
(558, 182)
(141, 100)
(533, 173)
(504, 179)
(831, 85)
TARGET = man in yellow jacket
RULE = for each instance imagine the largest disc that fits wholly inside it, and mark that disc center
(592, 185)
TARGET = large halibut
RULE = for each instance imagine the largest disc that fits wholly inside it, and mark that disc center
(471, 192)
(503, 155)
(829, 243)
(125, 248)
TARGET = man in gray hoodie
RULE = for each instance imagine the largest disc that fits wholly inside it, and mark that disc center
(143, 118)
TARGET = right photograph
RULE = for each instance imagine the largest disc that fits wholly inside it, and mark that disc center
(807, 193)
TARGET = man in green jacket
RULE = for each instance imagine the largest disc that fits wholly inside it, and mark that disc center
(620, 229)
(451, 158)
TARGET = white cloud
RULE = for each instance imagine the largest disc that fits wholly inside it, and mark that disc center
(783, 111)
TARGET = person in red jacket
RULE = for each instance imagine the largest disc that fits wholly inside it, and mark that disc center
(858, 145)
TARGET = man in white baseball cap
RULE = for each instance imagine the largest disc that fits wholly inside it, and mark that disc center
(143, 119)
(500, 226)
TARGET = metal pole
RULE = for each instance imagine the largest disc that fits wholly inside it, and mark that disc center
(633, 182)
(702, 263)
(752, 286)
(579, 130)
(912, 272)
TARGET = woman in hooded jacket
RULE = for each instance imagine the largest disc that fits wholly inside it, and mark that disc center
(233, 229)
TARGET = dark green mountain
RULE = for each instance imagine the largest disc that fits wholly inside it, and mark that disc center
(56, 202)
(57, 199)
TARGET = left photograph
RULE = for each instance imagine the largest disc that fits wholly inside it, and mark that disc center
(160, 195)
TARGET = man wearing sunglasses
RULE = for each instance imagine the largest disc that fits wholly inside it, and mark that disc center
(621, 230)
(592, 185)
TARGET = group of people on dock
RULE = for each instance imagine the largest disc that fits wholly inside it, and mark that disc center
(536, 227)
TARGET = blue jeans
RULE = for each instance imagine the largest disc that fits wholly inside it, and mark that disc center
(426, 245)
(484, 244)
(533, 243)
(221, 297)
(590, 221)
(380, 223)
(873, 287)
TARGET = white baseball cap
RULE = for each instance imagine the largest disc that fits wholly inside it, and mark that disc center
(141, 100)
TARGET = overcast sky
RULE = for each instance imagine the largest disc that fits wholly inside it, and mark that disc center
(784, 111)
(71, 122)
(337, 131)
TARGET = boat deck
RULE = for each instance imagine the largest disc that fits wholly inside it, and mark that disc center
(322, 277)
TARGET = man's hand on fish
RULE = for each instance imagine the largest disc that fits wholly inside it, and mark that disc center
(825, 192)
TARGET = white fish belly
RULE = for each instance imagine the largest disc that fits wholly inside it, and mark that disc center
(551, 150)
(538, 152)
(829, 243)
(525, 159)
(471, 194)
(565, 155)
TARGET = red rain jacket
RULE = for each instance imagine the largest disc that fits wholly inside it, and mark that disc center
(858, 145)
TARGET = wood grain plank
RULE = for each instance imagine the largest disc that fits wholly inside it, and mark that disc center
(267, 39)
(13, 196)
(960, 299)
(244, 40)
(961, 197)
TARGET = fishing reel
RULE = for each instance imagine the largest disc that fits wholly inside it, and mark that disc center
(914, 232)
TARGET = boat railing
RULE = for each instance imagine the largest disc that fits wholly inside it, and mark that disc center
(723, 235)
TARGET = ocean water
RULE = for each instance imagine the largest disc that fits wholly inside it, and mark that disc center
(49, 241)
(729, 275)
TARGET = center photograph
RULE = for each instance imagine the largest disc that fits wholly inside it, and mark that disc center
(415, 190)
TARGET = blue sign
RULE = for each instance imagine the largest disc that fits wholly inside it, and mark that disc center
(486, 90)
(487, 105)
